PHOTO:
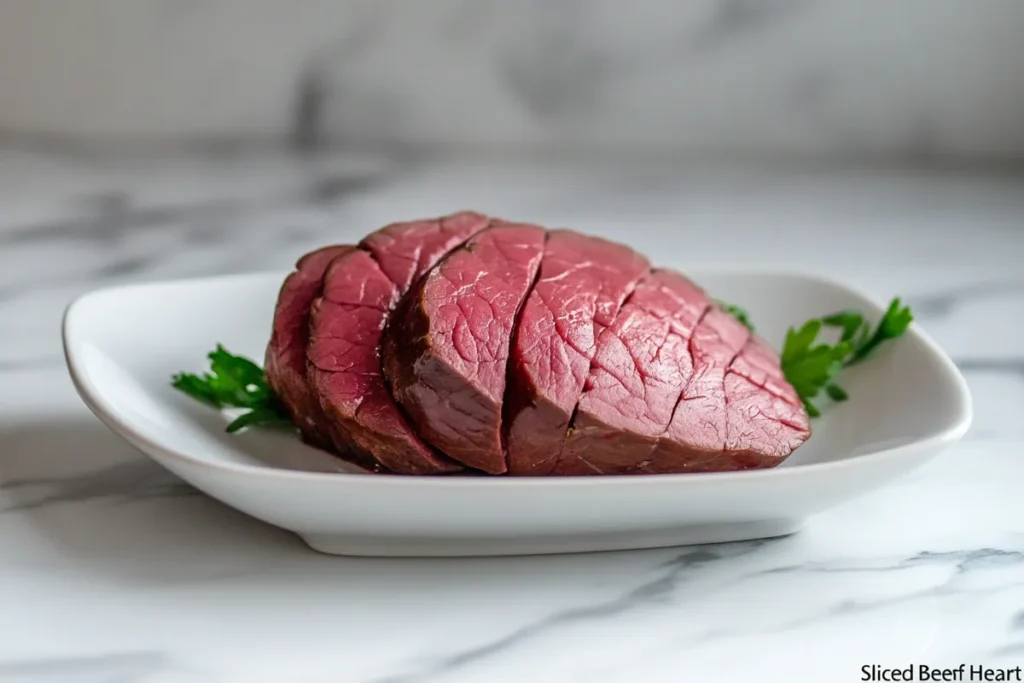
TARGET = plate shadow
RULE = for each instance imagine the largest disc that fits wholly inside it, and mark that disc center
(101, 508)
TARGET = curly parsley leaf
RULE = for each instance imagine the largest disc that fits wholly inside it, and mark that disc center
(851, 323)
(234, 382)
(811, 367)
(260, 417)
(836, 393)
(803, 361)
(894, 323)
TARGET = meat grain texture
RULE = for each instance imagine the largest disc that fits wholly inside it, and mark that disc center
(582, 286)
(474, 345)
(446, 355)
(360, 289)
(285, 359)
(641, 368)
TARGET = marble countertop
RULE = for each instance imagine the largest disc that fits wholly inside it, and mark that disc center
(113, 570)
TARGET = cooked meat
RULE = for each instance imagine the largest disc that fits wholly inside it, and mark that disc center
(359, 291)
(745, 417)
(765, 421)
(640, 370)
(582, 285)
(285, 360)
(447, 349)
(405, 251)
(476, 345)
(735, 410)
(698, 428)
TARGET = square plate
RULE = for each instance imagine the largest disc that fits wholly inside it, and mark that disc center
(122, 345)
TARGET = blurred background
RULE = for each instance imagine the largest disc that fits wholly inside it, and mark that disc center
(167, 138)
(155, 139)
(913, 81)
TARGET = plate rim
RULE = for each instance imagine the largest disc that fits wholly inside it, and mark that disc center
(103, 410)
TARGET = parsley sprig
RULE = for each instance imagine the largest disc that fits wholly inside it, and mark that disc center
(812, 367)
(234, 382)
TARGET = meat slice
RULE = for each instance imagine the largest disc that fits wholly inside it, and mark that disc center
(361, 288)
(405, 251)
(699, 426)
(285, 359)
(582, 285)
(743, 418)
(765, 419)
(735, 410)
(759, 363)
(447, 350)
(640, 369)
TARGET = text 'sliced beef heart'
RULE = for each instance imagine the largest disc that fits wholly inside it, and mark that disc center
(473, 345)
(447, 349)
(582, 285)
(360, 289)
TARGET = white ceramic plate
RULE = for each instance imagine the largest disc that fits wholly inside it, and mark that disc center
(123, 344)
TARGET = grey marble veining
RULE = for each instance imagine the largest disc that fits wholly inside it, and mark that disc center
(148, 581)
(127, 481)
(915, 79)
(113, 668)
(732, 76)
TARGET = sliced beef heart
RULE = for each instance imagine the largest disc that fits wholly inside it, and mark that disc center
(475, 345)
(360, 289)
(698, 427)
(640, 370)
(734, 409)
(765, 419)
(405, 251)
(446, 351)
(285, 360)
(582, 285)
(737, 412)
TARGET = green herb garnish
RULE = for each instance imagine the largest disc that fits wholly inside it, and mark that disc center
(812, 367)
(234, 382)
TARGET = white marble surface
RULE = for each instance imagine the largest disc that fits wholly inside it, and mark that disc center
(113, 571)
(911, 78)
